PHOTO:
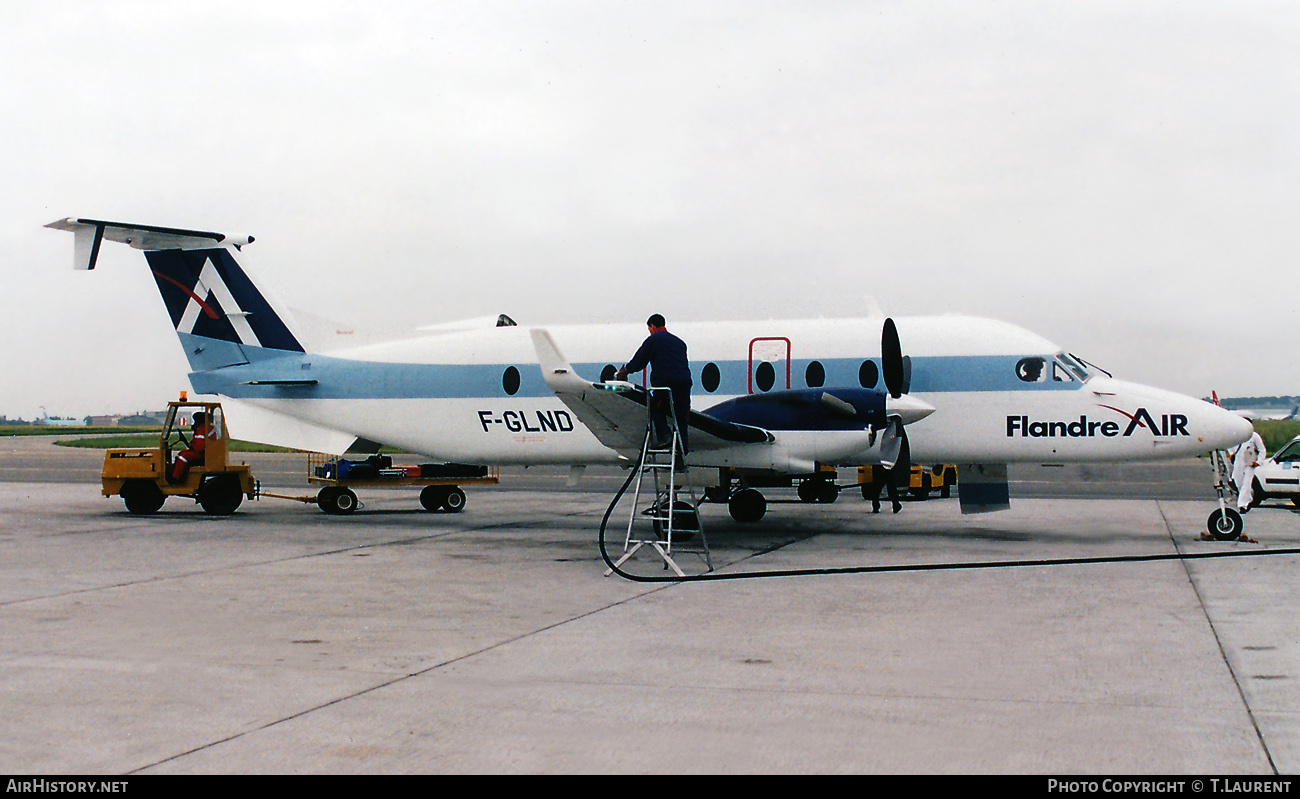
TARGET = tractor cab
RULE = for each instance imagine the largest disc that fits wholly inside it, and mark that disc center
(196, 435)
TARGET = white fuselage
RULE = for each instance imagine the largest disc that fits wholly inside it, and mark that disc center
(478, 395)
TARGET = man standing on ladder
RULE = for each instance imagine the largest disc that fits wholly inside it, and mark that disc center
(669, 368)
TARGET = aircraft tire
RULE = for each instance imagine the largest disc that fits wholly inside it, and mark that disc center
(142, 497)
(220, 496)
(747, 506)
(686, 522)
(454, 502)
(1225, 525)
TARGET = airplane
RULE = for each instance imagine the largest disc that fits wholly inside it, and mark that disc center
(774, 398)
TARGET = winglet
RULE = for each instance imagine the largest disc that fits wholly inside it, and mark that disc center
(556, 370)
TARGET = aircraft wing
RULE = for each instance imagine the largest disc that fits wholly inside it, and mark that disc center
(617, 413)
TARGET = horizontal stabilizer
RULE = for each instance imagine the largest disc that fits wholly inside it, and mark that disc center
(89, 234)
(982, 488)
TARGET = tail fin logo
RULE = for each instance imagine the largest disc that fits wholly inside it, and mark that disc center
(207, 294)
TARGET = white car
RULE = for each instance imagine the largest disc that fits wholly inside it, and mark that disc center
(1278, 476)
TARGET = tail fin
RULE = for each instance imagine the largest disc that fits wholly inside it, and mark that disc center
(220, 316)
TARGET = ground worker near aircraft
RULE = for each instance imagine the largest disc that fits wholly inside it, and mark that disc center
(1249, 455)
(193, 455)
(881, 477)
(670, 368)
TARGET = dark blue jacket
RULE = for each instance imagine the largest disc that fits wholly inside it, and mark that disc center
(666, 355)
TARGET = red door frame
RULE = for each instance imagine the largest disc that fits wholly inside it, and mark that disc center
(752, 342)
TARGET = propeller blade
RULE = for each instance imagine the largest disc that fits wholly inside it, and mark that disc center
(891, 443)
(893, 367)
(903, 464)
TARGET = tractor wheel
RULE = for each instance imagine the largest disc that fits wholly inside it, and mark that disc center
(142, 497)
(220, 495)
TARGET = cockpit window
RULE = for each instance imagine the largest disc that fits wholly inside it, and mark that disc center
(1032, 369)
(1062, 374)
(1088, 367)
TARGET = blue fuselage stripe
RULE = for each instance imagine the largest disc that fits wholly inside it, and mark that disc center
(338, 378)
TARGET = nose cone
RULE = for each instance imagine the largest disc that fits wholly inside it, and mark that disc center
(1228, 431)
(1175, 424)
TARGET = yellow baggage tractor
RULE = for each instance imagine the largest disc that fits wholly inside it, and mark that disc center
(144, 477)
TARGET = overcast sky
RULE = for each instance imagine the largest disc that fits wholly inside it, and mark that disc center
(1122, 178)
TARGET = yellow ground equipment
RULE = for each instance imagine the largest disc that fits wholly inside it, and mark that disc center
(140, 475)
(921, 481)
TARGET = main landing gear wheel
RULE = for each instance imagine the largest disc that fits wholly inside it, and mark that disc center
(747, 505)
(448, 498)
(220, 496)
(336, 500)
(142, 497)
(1225, 525)
(686, 520)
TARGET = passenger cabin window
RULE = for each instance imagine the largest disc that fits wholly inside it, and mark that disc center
(868, 375)
(815, 375)
(711, 376)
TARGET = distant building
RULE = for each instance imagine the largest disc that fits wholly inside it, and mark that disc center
(143, 419)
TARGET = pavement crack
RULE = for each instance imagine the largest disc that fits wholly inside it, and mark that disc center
(1218, 640)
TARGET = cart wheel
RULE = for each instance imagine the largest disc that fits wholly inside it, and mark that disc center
(1225, 525)
(827, 491)
(433, 497)
(454, 502)
(336, 500)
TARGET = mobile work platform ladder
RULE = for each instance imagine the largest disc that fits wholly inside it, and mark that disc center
(672, 516)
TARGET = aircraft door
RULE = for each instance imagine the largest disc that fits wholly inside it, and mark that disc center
(769, 363)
